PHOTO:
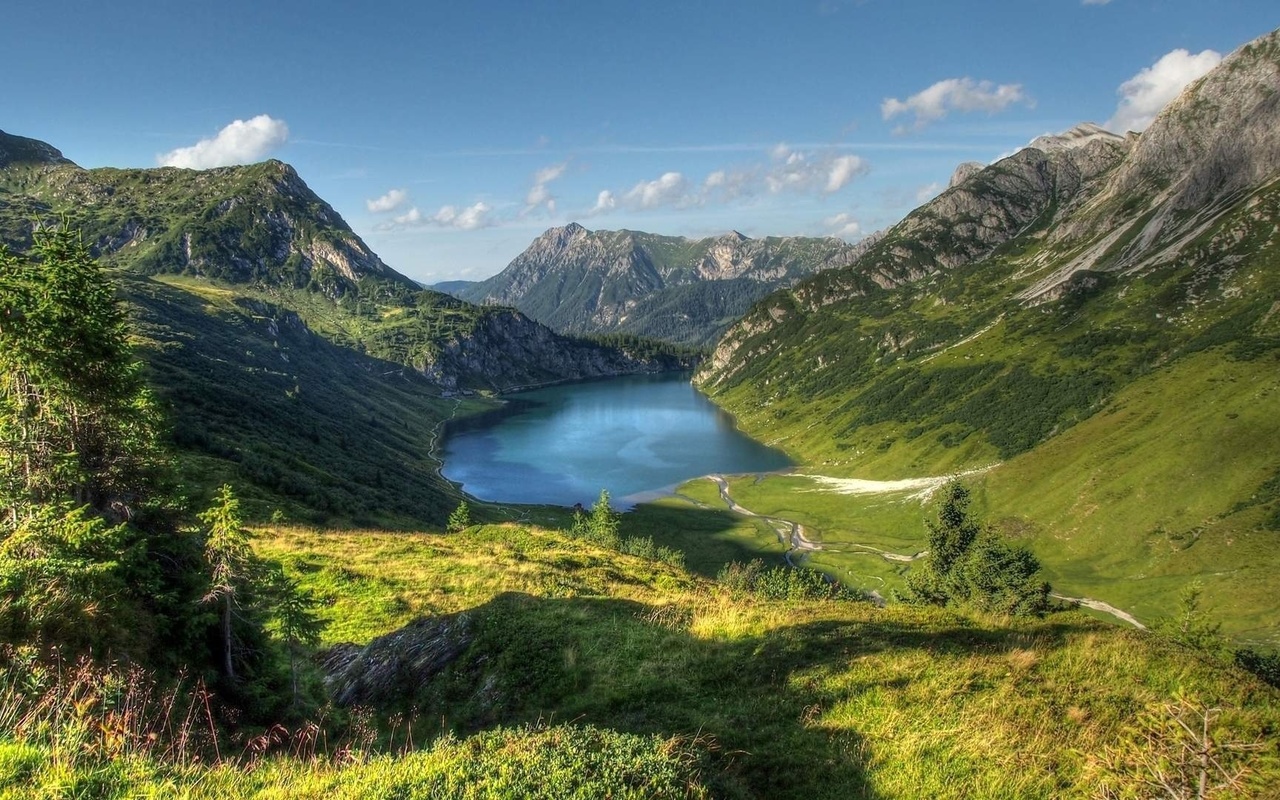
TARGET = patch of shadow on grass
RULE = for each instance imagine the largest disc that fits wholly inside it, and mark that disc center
(625, 666)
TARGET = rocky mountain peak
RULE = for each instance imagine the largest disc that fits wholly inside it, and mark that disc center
(1077, 137)
(964, 172)
(21, 150)
(1218, 137)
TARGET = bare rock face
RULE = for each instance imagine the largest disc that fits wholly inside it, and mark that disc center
(1079, 136)
(1218, 137)
(395, 666)
(964, 172)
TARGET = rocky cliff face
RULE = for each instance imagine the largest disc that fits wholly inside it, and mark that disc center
(582, 281)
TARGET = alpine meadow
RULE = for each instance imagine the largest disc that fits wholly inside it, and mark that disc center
(1029, 542)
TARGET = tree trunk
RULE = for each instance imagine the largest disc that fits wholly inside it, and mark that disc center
(226, 638)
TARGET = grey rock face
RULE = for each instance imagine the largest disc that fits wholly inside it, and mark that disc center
(581, 281)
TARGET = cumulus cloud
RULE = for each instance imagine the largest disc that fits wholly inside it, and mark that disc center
(605, 202)
(725, 185)
(469, 218)
(786, 170)
(388, 202)
(670, 189)
(953, 94)
(1144, 95)
(539, 195)
(1095, 2)
(797, 171)
(241, 142)
(843, 225)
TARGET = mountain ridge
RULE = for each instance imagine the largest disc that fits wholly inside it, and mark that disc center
(580, 281)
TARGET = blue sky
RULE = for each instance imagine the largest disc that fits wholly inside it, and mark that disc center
(449, 135)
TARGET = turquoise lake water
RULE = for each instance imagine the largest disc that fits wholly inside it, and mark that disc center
(635, 436)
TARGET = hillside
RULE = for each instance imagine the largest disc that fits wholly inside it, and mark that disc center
(291, 357)
(1096, 317)
(681, 290)
(553, 667)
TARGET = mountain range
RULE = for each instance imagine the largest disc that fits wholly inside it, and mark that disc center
(681, 290)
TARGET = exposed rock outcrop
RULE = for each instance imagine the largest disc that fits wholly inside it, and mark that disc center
(396, 666)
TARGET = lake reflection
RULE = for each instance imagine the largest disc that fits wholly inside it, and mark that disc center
(631, 435)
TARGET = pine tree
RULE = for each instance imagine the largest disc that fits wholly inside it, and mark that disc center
(78, 456)
(229, 558)
(76, 421)
(295, 620)
(459, 519)
(603, 523)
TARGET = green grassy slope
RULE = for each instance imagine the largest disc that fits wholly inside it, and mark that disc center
(800, 698)
(586, 673)
(1133, 417)
(256, 400)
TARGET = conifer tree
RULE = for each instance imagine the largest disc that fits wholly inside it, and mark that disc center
(230, 558)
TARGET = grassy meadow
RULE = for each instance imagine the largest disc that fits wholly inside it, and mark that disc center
(778, 698)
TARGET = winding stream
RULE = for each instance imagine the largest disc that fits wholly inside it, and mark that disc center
(792, 534)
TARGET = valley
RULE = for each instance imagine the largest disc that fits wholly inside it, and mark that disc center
(982, 505)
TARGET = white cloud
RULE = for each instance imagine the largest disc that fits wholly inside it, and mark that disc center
(470, 218)
(843, 225)
(953, 94)
(1144, 95)
(667, 190)
(1095, 2)
(539, 195)
(411, 217)
(728, 184)
(388, 202)
(842, 170)
(797, 171)
(788, 170)
(605, 202)
(241, 142)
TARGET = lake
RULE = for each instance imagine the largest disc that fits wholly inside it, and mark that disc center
(636, 436)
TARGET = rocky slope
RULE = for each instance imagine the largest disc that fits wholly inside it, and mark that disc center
(685, 290)
(261, 229)
(259, 223)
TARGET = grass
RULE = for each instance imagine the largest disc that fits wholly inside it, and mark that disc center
(1134, 418)
(801, 699)
(592, 673)
(1176, 461)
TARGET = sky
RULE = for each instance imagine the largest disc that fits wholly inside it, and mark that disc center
(450, 134)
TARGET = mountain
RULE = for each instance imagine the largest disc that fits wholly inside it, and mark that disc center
(292, 358)
(1097, 316)
(454, 288)
(681, 290)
